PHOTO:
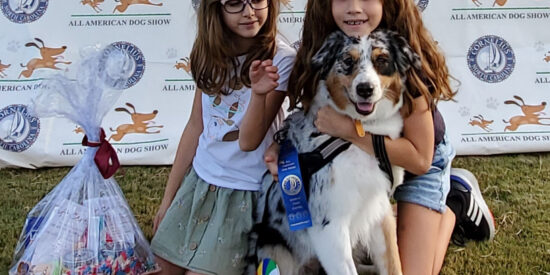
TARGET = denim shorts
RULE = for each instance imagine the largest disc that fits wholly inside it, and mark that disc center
(430, 190)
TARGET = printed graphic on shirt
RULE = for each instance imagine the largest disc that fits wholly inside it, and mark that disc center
(225, 112)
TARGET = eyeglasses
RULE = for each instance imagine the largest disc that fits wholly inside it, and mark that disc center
(237, 6)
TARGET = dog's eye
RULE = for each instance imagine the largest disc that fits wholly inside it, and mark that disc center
(381, 60)
(348, 61)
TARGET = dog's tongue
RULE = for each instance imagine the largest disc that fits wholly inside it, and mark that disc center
(365, 106)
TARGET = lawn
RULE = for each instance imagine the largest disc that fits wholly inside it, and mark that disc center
(516, 188)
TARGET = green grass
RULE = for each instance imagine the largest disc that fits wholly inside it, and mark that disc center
(516, 188)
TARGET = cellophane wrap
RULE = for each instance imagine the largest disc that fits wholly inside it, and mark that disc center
(84, 225)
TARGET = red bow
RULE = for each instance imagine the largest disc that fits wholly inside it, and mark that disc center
(105, 157)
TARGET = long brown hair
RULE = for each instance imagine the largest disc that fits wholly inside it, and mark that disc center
(398, 15)
(213, 56)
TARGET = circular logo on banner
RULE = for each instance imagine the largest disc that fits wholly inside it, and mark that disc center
(491, 59)
(18, 129)
(422, 4)
(291, 185)
(23, 11)
(136, 66)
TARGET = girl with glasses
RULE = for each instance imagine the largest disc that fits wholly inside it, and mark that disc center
(241, 71)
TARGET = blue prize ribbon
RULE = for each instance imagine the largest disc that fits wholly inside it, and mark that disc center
(292, 187)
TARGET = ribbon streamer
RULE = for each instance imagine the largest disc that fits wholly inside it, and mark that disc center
(105, 158)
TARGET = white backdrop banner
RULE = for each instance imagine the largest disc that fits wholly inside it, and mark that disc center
(499, 51)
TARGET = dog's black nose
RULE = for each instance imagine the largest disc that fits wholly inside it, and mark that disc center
(364, 89)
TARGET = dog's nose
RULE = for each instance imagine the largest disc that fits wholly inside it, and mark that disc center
(364, 89)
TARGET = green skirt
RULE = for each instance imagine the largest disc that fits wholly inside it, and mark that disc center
(206, 228)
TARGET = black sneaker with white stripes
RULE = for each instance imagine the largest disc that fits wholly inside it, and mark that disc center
(474, 220)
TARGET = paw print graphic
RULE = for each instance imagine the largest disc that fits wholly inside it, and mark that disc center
(13, 46)
(171, 53)
(464, 111)
(492, 103)
(539, 46)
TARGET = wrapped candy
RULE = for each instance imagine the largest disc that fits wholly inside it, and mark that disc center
(84, 225)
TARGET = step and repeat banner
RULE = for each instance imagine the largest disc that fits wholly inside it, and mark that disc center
(499, 52)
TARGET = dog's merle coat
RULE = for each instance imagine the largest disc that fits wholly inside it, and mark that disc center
(348, 198)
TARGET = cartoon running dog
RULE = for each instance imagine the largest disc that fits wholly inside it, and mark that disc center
(125, 3)
(531, 114)
(185, 65)
(286, 3)
(94, 4)
(49, 57)
(2, 68)
(497, 2)
(481, 122)
(141, 123)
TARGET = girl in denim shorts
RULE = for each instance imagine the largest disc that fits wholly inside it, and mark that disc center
(424, 225)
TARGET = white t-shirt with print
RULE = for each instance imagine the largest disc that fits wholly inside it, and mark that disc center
(218, 159)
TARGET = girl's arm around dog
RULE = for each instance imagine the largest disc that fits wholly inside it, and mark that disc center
(184, 156)
(264, 104)
(414, 151)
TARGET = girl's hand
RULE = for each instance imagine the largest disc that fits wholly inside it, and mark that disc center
(160, 215)
(334, 124)
(263, 76)
(271, 156)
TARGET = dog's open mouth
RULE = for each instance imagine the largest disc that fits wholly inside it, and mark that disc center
(364, 107)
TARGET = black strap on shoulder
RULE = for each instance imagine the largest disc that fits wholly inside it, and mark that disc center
(312, 162)
(381, 155)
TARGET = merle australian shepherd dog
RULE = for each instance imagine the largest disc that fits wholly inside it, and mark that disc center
(348, 198)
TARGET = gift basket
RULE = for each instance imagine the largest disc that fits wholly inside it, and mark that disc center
(84, 225)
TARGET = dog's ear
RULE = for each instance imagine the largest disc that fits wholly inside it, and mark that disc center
(324, 59)
(405, 56)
